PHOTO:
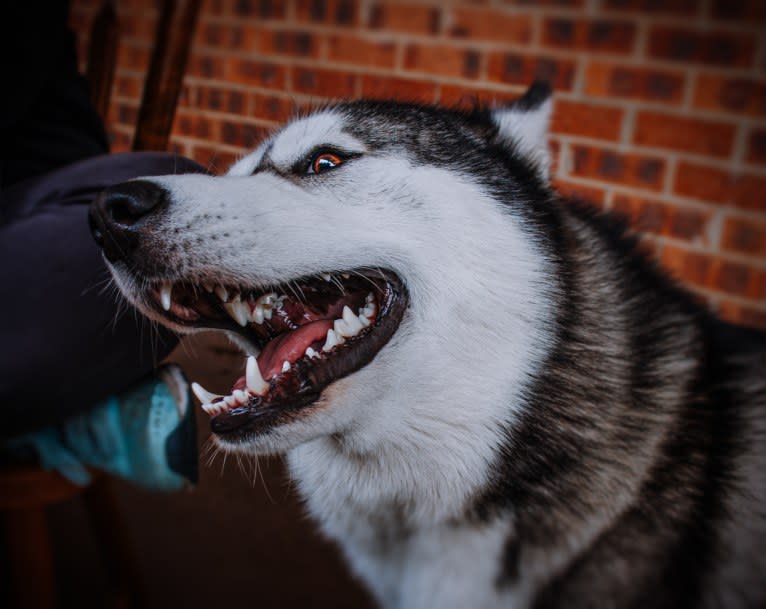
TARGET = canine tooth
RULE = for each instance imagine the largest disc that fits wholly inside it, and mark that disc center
(364, 321)
(286, 366)
(241, 396)
(239, 311)
(311, 353)
(352, 321)
(203, 394)
(332, 340)
(222, 293)
(258, 314)
(342, 329)
(253, 378)
(166, 290)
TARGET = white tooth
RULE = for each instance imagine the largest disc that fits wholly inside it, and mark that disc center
(208, 287)
(364, 321)
(166, 289)
(370, 297)
(286, 366)
(210, 409)
(343, 330)
(332, 340)
(258, 314)
(241, 396)
(230, 401)
(203, 394)
(253, 378)
(268, 299)
(311, 353)
(222, 293)
(352, 321)
(267, 312)
(345, 275)
(327, 276)
(239, 311)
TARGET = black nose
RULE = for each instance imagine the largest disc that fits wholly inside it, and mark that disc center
(118, 214)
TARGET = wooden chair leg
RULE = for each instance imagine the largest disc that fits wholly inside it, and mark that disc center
(31, 556)
(109, 527)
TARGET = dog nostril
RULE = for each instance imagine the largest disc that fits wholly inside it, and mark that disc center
(125, 204)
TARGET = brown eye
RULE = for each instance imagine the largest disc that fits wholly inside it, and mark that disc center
(324, 161)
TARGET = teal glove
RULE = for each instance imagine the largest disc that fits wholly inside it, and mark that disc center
(146, 435)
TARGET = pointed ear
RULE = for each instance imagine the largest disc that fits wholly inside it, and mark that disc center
(523, 126)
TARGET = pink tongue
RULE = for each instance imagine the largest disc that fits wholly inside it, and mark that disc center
(291, 346)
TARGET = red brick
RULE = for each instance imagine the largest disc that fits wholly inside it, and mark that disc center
(387, 87)
(483, 23)
(272, 107)
(408, 18)
(218, 161)
(587, 35)
(461, 97)
(660, 218)
(554, 3)
(575, 118)
(756, 147)
(518, 69)
(264, 9)
(579, 191)
(119, 141)
(206, 66)
(746, 236)
(443, 60)
(325, 83)
(246, 71)
(335, 12)
(738, 95)
(692, 46)
(675, 7)
(688, 266)
(616, 80)
(280, 42)
(128, 86)
(222, 100)
(739, 279)
(684, 134)
(611, 166)
(720, 186)
(196, 126)
(746, 316)
(242, 134)
(133, 57)
(746, 11)
(137, 27)
(358, 50)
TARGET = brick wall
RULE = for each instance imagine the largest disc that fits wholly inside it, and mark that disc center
(660, 104)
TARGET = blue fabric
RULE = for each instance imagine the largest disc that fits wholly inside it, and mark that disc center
(124, 436)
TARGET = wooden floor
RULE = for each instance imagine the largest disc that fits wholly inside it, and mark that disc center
(237, 540)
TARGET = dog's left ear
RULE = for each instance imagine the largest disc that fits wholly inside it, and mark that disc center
(523, 125)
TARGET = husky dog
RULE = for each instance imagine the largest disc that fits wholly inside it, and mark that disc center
(485, 393)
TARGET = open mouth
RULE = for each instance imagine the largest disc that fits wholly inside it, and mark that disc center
(310, 332)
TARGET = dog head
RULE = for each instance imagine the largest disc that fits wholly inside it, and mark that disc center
(381, 264)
